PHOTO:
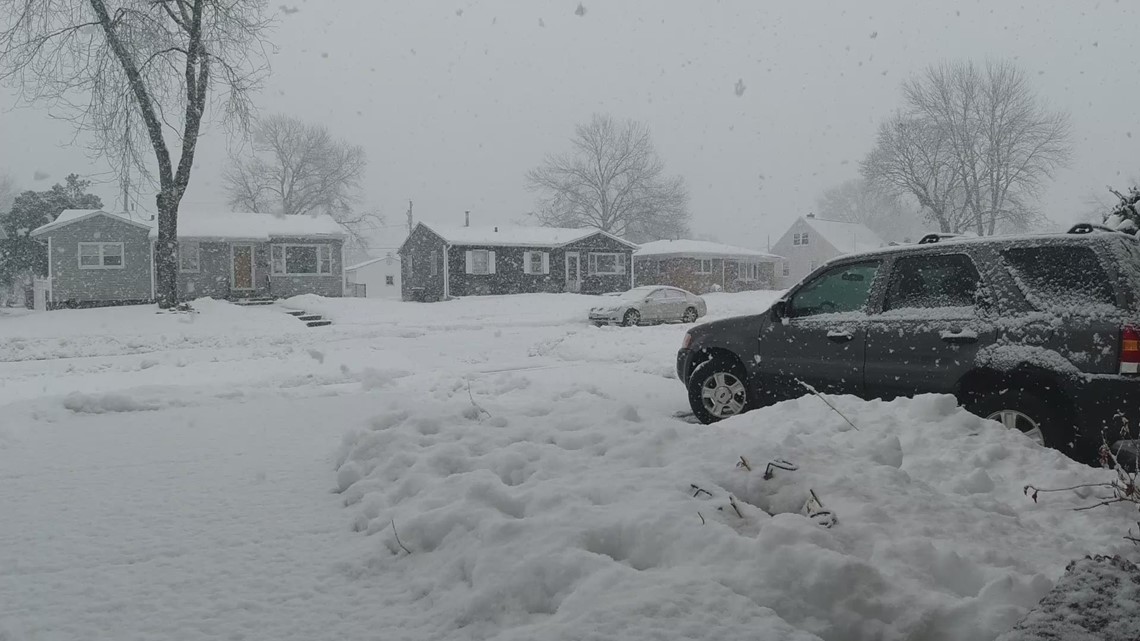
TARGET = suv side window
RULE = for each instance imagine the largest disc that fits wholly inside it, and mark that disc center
(1060, 276)
(841, 289)
(932, 281)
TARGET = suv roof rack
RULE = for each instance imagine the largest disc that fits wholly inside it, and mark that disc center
(930, 239)
(1088, 228)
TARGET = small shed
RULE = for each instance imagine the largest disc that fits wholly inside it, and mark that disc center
(374, 278)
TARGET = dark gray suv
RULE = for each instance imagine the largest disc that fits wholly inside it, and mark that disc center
(1041, 333)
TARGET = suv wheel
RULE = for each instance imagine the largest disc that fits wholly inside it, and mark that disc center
(1019, 410)
(717, 390)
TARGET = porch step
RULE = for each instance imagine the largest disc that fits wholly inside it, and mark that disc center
(310, 320)
(255, 301)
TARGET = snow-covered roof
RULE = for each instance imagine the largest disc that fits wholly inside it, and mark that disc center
(219, 225)
(846, 237)
(372, 261)
(68, 216)
(253, 226)
(505, 235)
(701, 248)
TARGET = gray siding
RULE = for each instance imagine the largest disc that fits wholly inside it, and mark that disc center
(212, 280)
(72, 284)
(416, 255)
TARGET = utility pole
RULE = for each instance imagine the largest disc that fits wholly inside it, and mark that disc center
(409, 216)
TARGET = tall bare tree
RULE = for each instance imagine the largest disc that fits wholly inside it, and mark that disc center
(140, 76)
(982, 136)
(613, 180)
(858, 201)
(7, 193)
(297, 169)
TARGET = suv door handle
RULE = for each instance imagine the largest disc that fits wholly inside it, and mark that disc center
(839, 337)
(964, 336)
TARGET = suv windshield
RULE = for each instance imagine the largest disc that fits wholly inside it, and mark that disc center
(1060, 276)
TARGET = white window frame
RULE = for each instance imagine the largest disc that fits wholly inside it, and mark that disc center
(390, 281)
(279, 265)
(748, 271)
(184, 248)
(102, 254)
(701, 269)
(543, 262)
(490, 263)
(619, 264)
(787, 269)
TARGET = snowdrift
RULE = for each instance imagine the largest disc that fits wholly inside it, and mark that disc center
(538, 509)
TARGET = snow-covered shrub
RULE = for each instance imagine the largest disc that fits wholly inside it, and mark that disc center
(1125, 216)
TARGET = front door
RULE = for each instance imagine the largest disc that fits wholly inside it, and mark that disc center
(573, 272)
(821, 339)
(242, 256)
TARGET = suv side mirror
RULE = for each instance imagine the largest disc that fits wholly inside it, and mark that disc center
(779, 310)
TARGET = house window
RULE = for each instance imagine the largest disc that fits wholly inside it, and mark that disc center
(748, 271)
(480, 261)
(800, 239)
(390, 280)
(607, 264)
(787, 269)
(189, 256)
(100, 255)
(301, 260)
(433, 263)
(536, 263)
(704, 265)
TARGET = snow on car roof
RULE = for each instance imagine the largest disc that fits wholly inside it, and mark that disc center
(517, 236)
(701, 248)
(846, 237)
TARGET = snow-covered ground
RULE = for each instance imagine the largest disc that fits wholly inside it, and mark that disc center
(233, 474)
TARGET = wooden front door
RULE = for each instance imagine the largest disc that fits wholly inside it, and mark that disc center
(573, 272)
(242, 256)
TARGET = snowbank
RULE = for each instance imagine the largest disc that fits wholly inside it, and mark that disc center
(533, 508)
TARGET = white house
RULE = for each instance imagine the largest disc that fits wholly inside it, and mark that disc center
(375, 278)
(811, 242)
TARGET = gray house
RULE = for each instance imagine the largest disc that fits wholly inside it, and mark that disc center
(440, 262)
(102, 258)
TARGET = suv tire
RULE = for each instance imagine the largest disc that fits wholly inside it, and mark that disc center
(1020, 410)
(717, 389)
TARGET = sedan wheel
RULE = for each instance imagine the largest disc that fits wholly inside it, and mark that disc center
(690, 315)
(632, 317)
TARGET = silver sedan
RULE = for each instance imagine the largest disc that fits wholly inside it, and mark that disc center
(649, 304)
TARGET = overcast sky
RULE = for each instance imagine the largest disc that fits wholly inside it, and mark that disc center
(455, 101)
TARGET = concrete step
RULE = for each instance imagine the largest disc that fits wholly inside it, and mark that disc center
(296, 312)
(318, 323)
(310, 317)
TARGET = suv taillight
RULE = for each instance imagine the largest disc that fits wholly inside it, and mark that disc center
(686, 341)
(1130, 350)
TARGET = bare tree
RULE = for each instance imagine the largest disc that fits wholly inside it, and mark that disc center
(981, 128)
(613, 180)
(910, 159)
(145, 73)
(301, 169)
(858, 201)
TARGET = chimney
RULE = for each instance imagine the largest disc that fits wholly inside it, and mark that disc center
(467, 218)
(811, 215)
(496, 230)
